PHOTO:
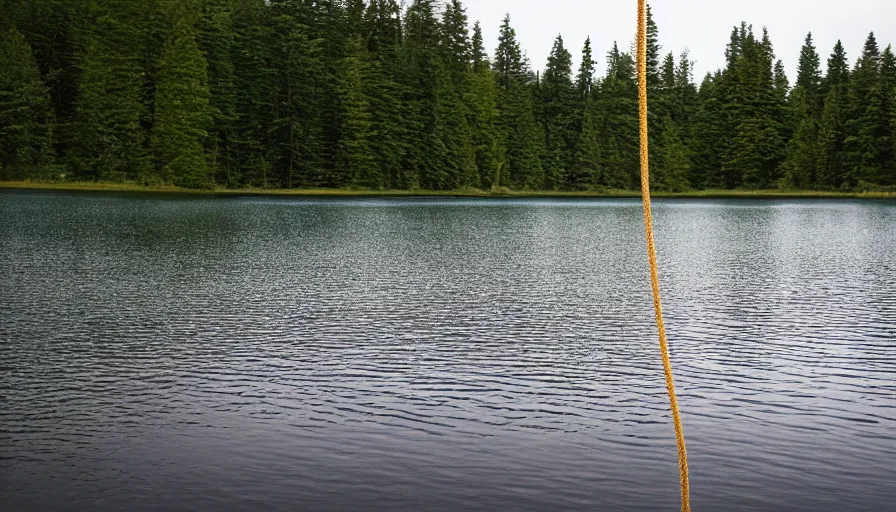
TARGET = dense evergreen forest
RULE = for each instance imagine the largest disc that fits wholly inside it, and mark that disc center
(374, 94)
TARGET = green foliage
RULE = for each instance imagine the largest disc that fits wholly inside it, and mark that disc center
(887, 114)
(866, 127)
(710, 133)
(522, 136)
(355, 157)
(804, 149)
(384, 94)
(616, 105)
(674, 162)
(110, 109)
(182, 111)
(297, 130)
(26, 117)
(832, 127)
(217, 39)
(558, 116)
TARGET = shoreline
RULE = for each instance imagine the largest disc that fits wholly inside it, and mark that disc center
(472, 193)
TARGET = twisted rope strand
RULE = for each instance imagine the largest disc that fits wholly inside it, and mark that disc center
(651, 256)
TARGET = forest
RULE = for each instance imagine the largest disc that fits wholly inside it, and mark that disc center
(382, 95)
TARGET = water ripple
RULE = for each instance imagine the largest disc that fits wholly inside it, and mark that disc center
(167, 354)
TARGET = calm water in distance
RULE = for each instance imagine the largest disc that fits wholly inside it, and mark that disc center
(164, 353)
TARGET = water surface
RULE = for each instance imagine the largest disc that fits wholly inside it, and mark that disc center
(166, 353)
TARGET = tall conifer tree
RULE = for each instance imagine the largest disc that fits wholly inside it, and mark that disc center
(26, 115)
(182, 111)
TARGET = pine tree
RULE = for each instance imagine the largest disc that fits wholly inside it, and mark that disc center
(26, 116)
(616, 102)
(182, 111)
(456, 45)
(721, 111)
(586, 153)
(677, 99)
(425, 164)
(658, 105)
(585, 77)
(864, 127)
(482, 102)
(49, 27)
(454, 113)
(256, 86)
(217, 38)
(832, 128)
(804, 149)
(297, 121)
(887, 116)
(709, 135)
(327, 30)
(355, 155)
(667, 74)
(558, 115)
(684, 95)
(111, 107)
(390, 114)
(478, 56)
(674, 163)
(522, 136)
(653, 52)
(755, 105)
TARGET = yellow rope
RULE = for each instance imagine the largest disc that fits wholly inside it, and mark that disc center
(651, 255)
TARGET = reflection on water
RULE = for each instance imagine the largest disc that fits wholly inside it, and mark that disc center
(442, 354)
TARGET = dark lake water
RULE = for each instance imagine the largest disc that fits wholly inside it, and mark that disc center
(164, 353)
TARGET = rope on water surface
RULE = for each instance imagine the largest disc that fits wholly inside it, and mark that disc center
(651, 256)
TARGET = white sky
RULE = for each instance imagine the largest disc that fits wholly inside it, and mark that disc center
(703, 26)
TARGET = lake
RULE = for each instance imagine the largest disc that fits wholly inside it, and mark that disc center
(183, 353)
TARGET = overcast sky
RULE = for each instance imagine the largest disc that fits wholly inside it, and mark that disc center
(703, 26)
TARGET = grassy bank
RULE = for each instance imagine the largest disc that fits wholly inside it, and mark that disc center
(471, 192)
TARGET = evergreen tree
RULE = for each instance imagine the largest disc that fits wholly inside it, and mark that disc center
(26, 116)
(558, 107)
(585, 155)
(478, 56)
(111, 110)
(585, 76)
(865, 128)
(217, 38)
(887, 116)
(804, 148)
(674, 163)
(390, 113)
(653, 52)
(454, 110)
(256, 86)
(456, 45)
(482, 102)
(683, 103)
(182, 111)
(49, 27)
(667, 74)
(755, 106)
(521, 134)
(709, 134)
(616, 103)
(832, 128)
(297, 121)
(355, 155)
(426, 158)
(327, 30)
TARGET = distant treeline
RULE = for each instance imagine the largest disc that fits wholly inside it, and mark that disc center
(355, 93)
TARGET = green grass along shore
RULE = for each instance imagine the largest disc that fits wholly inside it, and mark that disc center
(469, 192)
